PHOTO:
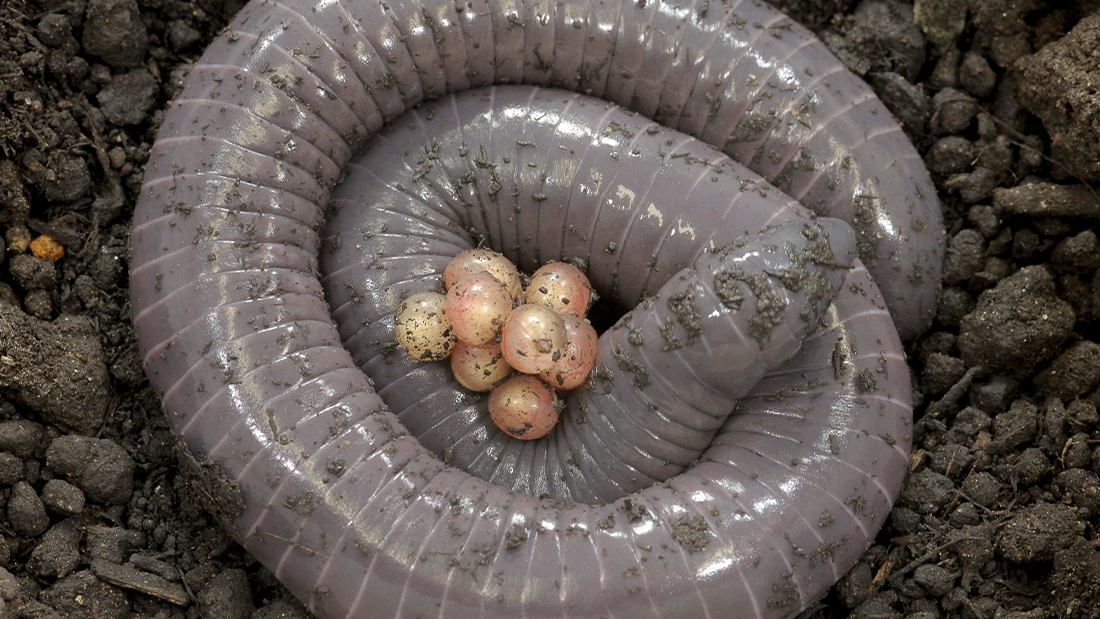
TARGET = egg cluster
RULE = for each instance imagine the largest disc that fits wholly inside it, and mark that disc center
(521, 345)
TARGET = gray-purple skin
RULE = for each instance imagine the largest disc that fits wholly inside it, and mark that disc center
(452, 173)
(359, 518)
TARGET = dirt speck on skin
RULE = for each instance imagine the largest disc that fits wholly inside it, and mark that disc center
(691, 532)
(997, 517)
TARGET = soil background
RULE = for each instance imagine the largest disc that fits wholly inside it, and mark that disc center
(98, 515)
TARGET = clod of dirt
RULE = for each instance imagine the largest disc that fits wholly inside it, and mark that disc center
(114, 31)
(26, 513)
(1084, 487)
(1073, 373)
(908, 102)
(58, 552)
(1058, 84)
(1014, 427)
(953, 111)
(964, 257)
(83, 596)
(927, 492)
(879, 36)
(227, 596)
(950, 155)
(61, 497)
(935, 579)
(1047, 199)
(128, 98)
(55, 368)
(32, 273)
(1036, 533)
(281, 610)
(20, 437)
(99, 467)
(1017, 324)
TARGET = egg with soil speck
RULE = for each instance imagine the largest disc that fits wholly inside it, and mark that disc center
(534, 338)
(524, 407)
(422, 328)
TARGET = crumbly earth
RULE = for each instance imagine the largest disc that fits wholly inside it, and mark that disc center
(997, 520)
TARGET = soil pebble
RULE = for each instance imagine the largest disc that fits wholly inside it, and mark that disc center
(1018, 323)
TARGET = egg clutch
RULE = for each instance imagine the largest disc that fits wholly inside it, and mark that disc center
(521, 344)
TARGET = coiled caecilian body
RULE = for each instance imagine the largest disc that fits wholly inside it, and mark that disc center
(360, 517)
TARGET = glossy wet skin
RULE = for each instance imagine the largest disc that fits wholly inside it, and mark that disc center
(341, 502)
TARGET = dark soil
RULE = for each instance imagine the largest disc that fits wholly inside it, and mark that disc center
(997, 518)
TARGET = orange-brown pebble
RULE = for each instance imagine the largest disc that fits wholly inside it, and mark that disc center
(422, 328)
(524, 407)
(477, 305)
(562, 287)
(47, 248)
(534, 338)
(479, 368)
(572, 369)
(477, 260)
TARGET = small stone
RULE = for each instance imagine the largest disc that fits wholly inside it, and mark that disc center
(974, 186)
(985, 219)
(38, 304)
(951, 460)
(994, 395)
(9, 586)
(855, 587)
(946, 72)
(47, 248)
(181, 35)
(968, 423)
(112, 544)
(965, 514)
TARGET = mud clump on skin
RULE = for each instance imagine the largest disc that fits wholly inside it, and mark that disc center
(691, 532)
